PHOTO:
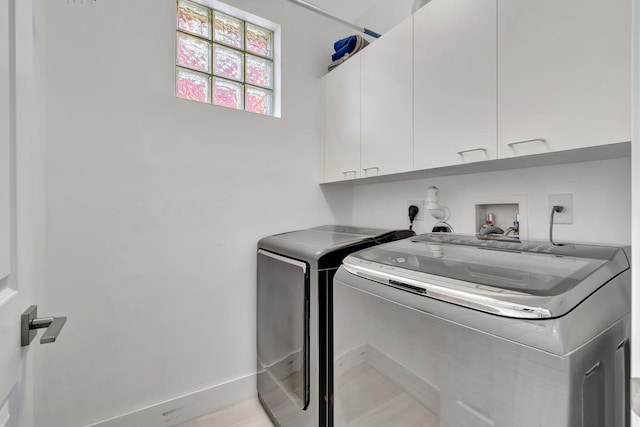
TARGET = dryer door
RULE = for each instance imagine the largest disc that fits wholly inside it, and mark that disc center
(283, 327)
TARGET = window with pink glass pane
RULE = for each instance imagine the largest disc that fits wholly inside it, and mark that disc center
(193, 86)
(258, 100)
(223, 60)
(227, 62)
(259, 40)
(194, 19)
(193, 53)
(227, 93)
(259, 71)
(228, 30)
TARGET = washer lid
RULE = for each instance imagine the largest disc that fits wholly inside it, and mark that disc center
(327, 245)
(524, 279)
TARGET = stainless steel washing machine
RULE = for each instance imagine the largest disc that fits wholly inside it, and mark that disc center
(295, 274)
(450, 330)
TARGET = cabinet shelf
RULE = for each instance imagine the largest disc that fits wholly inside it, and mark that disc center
(588, 154)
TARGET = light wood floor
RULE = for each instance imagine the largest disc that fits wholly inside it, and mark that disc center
(368, 399)
(244, 414)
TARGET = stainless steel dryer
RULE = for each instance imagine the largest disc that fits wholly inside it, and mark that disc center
(295, 274)
(450, 330)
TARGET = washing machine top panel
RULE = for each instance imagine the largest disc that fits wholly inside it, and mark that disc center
(526, 279)
(327, 245)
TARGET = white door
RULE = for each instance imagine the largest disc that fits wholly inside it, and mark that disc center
(21, 193)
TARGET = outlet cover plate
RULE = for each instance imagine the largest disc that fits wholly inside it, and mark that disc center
(420, 205)
(566, 200)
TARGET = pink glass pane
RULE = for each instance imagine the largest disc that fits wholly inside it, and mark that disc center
(227, 62)
(259, 71)
(194, 18)
(194, 53)
(258, 100)
(259, 41)
(228, 30)
(192, 86)
(227, 93)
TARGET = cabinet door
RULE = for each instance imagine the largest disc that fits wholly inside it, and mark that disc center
(341, 100)
(386, 102)
(455, 82)
(563, 74)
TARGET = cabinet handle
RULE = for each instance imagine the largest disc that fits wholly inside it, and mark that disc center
(346, 172)
(472, 149)
(372, 167)
(511, 144)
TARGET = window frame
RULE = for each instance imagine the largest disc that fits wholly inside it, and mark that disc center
(272, 60)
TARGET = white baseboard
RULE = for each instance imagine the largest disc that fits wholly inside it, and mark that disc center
(186, 407)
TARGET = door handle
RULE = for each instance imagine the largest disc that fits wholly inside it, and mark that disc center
(30, 323)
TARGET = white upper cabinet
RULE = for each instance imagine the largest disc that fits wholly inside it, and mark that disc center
(465, 81)
(563, 74)
(455, 82)
(386, 103)
(341, 102)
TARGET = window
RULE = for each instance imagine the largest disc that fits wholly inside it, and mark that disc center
(224, 60)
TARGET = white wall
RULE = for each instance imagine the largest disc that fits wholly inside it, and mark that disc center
(155, 205)
(385, 14)
(601, 199)
(149, 250)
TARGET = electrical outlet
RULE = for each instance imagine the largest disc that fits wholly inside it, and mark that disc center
(565, 200)
(420, 205)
